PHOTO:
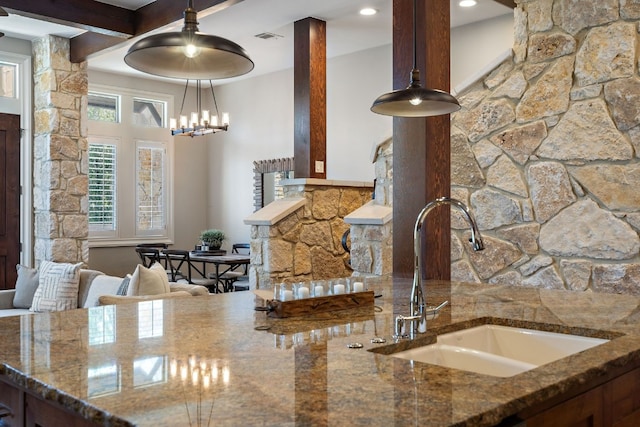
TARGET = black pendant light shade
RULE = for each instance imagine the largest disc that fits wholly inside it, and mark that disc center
(415, 101)
(189, 54)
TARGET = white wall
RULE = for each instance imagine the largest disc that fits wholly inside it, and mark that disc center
(9, 44)
(474, 46)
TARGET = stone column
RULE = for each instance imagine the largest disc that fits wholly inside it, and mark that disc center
(60, 179)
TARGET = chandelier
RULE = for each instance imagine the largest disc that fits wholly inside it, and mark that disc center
(199, 122)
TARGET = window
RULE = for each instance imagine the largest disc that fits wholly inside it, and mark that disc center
(103, 107)
(148, 113)
(102, 186)
(129, 167)
(8, 82)
(150, 182)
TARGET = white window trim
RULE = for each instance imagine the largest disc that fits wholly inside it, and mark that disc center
(126, 233)
(23, 107)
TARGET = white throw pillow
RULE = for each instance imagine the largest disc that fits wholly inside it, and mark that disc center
(57, 287)
(149, 281)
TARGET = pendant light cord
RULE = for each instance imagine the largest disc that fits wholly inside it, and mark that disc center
(414, 81)
(415, 33)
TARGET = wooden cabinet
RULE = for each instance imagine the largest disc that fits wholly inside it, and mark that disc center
(11, 401)
(584, 410)
(614, 403)
(28, 410)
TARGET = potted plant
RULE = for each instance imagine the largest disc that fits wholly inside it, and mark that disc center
(212, 238)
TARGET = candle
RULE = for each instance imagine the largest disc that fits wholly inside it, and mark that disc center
(338, 289)
(318, 291)
(287, 295)
(358, 287)
(303, 292)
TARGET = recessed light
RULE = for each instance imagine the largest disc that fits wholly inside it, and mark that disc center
(368, 11)
(467, 3)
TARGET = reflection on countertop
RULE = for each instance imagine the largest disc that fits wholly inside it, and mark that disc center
(191, 361)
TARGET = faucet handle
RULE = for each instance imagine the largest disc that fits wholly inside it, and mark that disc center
(433, 312)
(400, 331)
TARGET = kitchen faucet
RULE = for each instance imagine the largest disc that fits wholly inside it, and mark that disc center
(417, 305)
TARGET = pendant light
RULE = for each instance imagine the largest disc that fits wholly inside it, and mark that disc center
(189, 54)
(415, 101)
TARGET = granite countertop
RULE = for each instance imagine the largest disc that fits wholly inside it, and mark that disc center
(126, 363)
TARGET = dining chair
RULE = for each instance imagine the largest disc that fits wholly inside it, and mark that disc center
(244, 248)
(179, 260)
(149, 255)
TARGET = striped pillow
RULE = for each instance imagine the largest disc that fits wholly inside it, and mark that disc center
(57, 288)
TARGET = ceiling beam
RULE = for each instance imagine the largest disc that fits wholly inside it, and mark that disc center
(92, 16)
(107, 25)
(508, 3)
(147, 18)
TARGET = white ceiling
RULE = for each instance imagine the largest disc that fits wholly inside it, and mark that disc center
(347, 30)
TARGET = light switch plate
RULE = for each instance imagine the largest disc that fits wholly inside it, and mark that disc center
(319, 166)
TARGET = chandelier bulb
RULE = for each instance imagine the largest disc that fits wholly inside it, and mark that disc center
(416, 101)
(225, 119)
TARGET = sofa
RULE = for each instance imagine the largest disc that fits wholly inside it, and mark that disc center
(91, 286)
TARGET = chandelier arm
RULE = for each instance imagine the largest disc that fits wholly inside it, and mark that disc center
(198, 100)
(215, 103)
(184, 96)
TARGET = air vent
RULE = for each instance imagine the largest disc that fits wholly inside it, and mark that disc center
(267, 36)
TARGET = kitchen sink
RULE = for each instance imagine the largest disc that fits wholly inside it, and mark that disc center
(496, 350)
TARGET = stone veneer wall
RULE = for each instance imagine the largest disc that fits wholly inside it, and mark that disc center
(60, 146)
(306, 244)
(545, 150)
(372, 244)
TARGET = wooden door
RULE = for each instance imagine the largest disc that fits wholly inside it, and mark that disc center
(9, 199)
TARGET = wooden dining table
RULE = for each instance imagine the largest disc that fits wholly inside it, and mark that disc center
(222, 263)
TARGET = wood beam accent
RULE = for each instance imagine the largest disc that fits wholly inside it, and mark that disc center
(421, 146)
(164, 12)
(309, 98)
(107, 25)
(508, 3)
(93, 16)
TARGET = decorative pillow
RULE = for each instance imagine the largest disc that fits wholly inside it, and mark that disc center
(57, 288)
(26, 286)
(121, 299)
(149, 281)
(124, 286)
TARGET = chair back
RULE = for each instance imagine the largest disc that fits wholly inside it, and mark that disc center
(177, 259)
(148, 255)
(235, 248)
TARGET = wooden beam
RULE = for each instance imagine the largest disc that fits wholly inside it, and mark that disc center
(421, 146)
(107, 25)
(164, 12)
(310, 98)
(92, 15)
(508, 3)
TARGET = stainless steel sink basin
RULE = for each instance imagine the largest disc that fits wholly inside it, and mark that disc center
(501, 351)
